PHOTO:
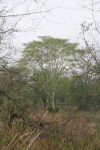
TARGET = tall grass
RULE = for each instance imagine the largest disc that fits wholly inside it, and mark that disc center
(59, 132)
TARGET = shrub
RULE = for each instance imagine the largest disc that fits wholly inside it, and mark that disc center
(52, 110)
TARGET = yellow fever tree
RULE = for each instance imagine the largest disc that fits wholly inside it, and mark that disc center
(52, 54)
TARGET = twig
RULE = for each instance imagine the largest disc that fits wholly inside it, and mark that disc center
(27, 138)
(36, 127)
(20, 138)
(11, 141)
(3, 148)
(69, 119)
(33, 139)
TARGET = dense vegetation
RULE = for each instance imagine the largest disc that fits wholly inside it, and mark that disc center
(54, 79)
(46, 74)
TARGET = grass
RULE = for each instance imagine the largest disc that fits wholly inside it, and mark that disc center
(59, 132)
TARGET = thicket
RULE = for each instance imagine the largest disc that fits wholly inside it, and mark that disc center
(47, 131)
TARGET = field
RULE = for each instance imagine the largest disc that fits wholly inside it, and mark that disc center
(71, 130)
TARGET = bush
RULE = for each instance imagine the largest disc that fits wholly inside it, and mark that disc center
(52, 110)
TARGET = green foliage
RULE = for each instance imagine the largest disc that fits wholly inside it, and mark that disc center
(85, 92)
(52, 110)
(57, 109)
(47, 59)
(13, 91)
(79, 92)
(2, 141)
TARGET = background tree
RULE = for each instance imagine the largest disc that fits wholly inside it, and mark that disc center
(56, 55)
(14, 102)
(62, 94)
(39, 79)
(90, 34)
(16, 17)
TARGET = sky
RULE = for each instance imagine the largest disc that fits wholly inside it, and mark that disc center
(63, 22)
(56, 18)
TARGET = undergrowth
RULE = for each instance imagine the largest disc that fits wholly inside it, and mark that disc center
(53, 132)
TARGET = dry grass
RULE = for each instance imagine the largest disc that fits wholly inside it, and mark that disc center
(59, 132)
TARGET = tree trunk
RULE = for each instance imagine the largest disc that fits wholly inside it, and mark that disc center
(53, 104)
(44, 98)
(44, 104)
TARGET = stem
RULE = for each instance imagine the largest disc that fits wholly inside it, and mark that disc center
(53, 104)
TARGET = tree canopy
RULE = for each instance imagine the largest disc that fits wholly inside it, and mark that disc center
(50, 55)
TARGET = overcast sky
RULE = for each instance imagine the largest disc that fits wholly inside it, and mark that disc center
(63, 22)
(56, 18)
